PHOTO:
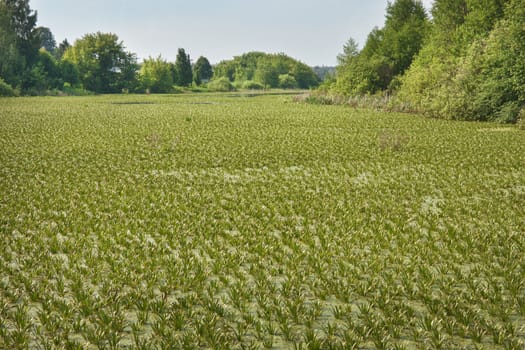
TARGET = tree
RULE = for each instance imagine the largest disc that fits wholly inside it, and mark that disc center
(10, 61)
(286, 81)
(46, 39)
(492, 79)
(43, 75)
(183, 69)
(266, 74)
(350, 50)
(265, 69)
(62, 47)
(225, 69)
(202, 71)
(304, 75)
(22, 23)
(388, 51)
(69, 72)
(450, 77)
(104, 65)
(406, 27)
(155, 75)
(18, 43)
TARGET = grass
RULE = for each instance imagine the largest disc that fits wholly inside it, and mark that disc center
(231, 222)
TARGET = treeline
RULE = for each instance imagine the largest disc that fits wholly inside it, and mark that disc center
(31, 63)
(465, 61)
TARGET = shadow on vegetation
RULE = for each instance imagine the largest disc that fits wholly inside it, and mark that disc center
(257, 94)
(132, 103)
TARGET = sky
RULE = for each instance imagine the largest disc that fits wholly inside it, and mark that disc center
(312, 31)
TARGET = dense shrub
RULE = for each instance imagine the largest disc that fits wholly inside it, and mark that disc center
(388, 51)
(494, 70)
(266, 69)
(155, 75)
(221, 84)
(252, 85)
(5, 89)
(471, 67)
(287, 81)
(521, 119)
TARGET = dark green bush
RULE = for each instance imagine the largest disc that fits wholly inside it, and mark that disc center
(221, 85)
(5, 89)
(252, 85)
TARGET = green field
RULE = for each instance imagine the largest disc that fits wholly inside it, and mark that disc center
(233, 221)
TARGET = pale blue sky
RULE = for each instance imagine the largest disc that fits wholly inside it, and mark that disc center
(313, 31)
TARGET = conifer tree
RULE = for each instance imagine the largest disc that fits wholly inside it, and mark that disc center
(183, 69)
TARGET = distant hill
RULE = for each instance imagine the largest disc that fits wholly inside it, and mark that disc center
(266, 71)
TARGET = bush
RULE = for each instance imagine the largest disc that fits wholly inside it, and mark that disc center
(485, 80)
(521, 119)
(252, 85)
(286, 81)
(75, 91)
(221, 85)
(5, 89)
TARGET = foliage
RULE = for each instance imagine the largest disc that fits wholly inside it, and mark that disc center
(266, 69)
(266, 74)
(455, 76)
(155, 75)
(69, 72)
(226, 222)
(350, 50)
(324, 73)
(287, 81)
(388, 51)
(184, 75)
(46, 39)
(103, 64)
(221, 84)
(61, 49)
(521, 119)
(252, 85)
(5, 89)
(467, 63)
(492, 75)
(18, 42)
(44, 75)
(202, 71)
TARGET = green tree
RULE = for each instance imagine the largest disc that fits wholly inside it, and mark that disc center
(286, 81)
(304, 75)
(443, 80)
(155, 75)
(202, 71)
(265, 69)
(492, 79)
(62, 47)
(6, 90)
(47, 64)
(388, 52)
(69, 72)
(350, 50)
(266, 74)
(46, 39)
(22, 23)
(405, 29)
(183, 69)
(103, 64)
(225, 69)
(18, 42)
